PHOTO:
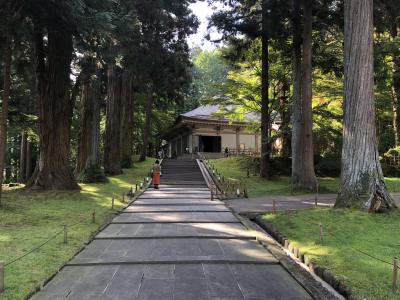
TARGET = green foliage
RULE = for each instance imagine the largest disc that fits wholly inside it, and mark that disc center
(346, 232)
(393, 152)
(389, 170)
(327, 166)
(209, 72)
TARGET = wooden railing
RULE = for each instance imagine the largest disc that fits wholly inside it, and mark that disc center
(223, 187)
(392, 160)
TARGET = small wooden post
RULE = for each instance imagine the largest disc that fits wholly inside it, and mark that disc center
(274, 206)
(238, 191)
(212, 194)
(136, 188)
(94, 216)
(321, 234)
(112, 203)
(395, 272)
(123, 198)
(248, 173)
(291, 187)
(65, 234)
(141, 185)
(316, 196)
(1, 276)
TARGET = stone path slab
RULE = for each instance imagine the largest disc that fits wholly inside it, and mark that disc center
(176, 217)
(172, 192)
(176, 208)
(166, 188)
(174, 201)
(173, 250)
(175, 229)
(176, 196)
(173, 282)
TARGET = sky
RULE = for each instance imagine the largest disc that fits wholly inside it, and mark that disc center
(203, 12)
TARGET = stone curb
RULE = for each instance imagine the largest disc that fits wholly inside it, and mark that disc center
(322, 272)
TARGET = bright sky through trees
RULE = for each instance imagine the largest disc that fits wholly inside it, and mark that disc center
(203, 11)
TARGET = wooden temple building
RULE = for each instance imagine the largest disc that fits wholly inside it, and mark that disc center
(205, 129)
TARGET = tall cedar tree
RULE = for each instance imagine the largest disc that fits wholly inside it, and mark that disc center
(362, 182)
(307, 175)
(296, 106)
(112, 142)
(54, 105)
(265, 114)
(253, 19)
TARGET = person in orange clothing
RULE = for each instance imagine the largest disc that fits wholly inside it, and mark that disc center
(156, 174)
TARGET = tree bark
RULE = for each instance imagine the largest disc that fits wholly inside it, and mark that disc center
(307, 179)
(285, 116)
(4, 106)
(362, 181)
(112, 143)
(54, 109)
(297, 105)
(22, 157)
(88, 162)
(127, 126)
(265, 113)
(147, 127)
(29, 161)
(396, 85)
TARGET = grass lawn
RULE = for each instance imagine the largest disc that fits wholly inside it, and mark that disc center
(27, 219)
(232, 168)
(346, 231)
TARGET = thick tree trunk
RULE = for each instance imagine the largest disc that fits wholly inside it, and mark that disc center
(265, 114)
(29, 161)
(395, 117)
(55, 110)
(396, 86)
(127, 126)
(285, 126)
(362, 181)
(112, 143)
(147, 128)
(4, 107)
(296, 107)
(22, 157)
(307, 179)
(88, 162)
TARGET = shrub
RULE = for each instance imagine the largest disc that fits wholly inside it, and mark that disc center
(92, 175)
(390, 171)
(327, 167)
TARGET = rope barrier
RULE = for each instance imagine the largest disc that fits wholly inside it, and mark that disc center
(47, 241)
(34, 249)
(344, 242)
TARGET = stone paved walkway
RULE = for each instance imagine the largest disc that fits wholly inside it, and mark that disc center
(174, 243)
